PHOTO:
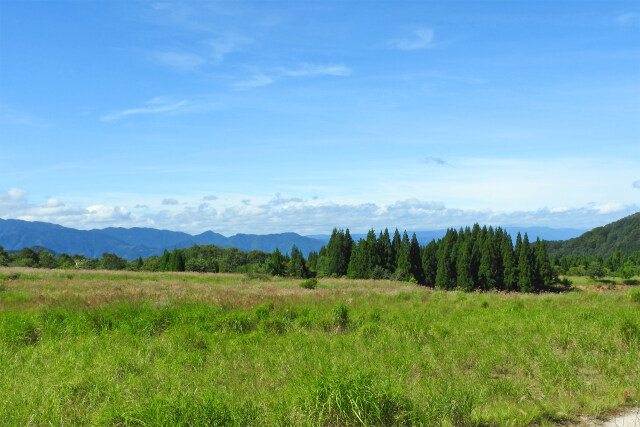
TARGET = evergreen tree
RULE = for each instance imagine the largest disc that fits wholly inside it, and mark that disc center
(276, 265)
(463, 267)
(396, 245)
(446, 274)
(542, 267)
(359, 267)
(176, 261)
(312, 261)
(510, 271)
(403, 268)
(385, 252)
(518, 246)
(430, 263)
(163, 261)
(339, 252)
(415, 261)
(296, 267)
(525, 267)
(371, 251)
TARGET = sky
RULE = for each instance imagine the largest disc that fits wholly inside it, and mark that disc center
(272, 116)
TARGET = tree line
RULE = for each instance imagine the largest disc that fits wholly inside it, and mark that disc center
(471, 258)
(618, 264)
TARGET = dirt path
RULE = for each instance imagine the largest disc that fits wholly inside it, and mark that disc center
(625, 419)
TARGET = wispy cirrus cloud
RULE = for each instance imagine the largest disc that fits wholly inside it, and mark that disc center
(219, 48)
(179, 60)
(257, 80)
(304, 70)
(153, 106)
(421, 38)
(312, 70)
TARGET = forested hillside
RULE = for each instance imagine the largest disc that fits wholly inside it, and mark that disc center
(622, 235)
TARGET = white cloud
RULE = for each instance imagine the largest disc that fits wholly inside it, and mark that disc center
(153, 106)
(221, 47)
(304, 70)
(422, 39)
(169, 202)
(179, 60)
(609, 208)
(310, 70)
(636, 184)
(210, 197)
(305, 216)
(258, 80)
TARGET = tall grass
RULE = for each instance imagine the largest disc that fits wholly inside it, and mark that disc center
(241, 351)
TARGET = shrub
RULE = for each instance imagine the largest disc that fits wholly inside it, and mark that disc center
(634, 294)
(309, 283)
(341, 316)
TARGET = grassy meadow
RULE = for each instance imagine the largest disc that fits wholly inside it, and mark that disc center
(125, 348)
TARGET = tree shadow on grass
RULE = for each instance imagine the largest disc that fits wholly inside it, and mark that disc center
(631, 282)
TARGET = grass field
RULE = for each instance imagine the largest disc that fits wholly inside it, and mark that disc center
(112, 348)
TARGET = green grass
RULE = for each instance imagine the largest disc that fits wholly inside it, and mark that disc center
(183, 349)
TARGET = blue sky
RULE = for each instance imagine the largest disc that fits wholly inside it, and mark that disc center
(271, 116)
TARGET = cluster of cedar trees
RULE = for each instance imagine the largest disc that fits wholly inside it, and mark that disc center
(469, 259)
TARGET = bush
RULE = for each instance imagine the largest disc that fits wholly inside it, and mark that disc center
(634, 294)
(341, 316)
(309, 283)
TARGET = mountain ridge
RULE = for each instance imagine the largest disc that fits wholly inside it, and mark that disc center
(131, 243)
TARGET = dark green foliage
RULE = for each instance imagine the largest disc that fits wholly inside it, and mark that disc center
(296, 267)
(4, 257)
(415, 261)
(112, 262)
(595, 270)
(338, 253)
(622, 235)
(26, 257)
(526, 280)
(430, 263)
(176, 261)
(311, 283)
(277, 264)
(446, 273)
(510, 268)
(543, 272)
(463, 267)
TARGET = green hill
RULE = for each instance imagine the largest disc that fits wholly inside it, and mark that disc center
(623, 234)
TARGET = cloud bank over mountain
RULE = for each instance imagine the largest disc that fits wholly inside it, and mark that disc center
(305, 216)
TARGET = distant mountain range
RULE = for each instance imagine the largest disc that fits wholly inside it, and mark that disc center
(131, 243)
